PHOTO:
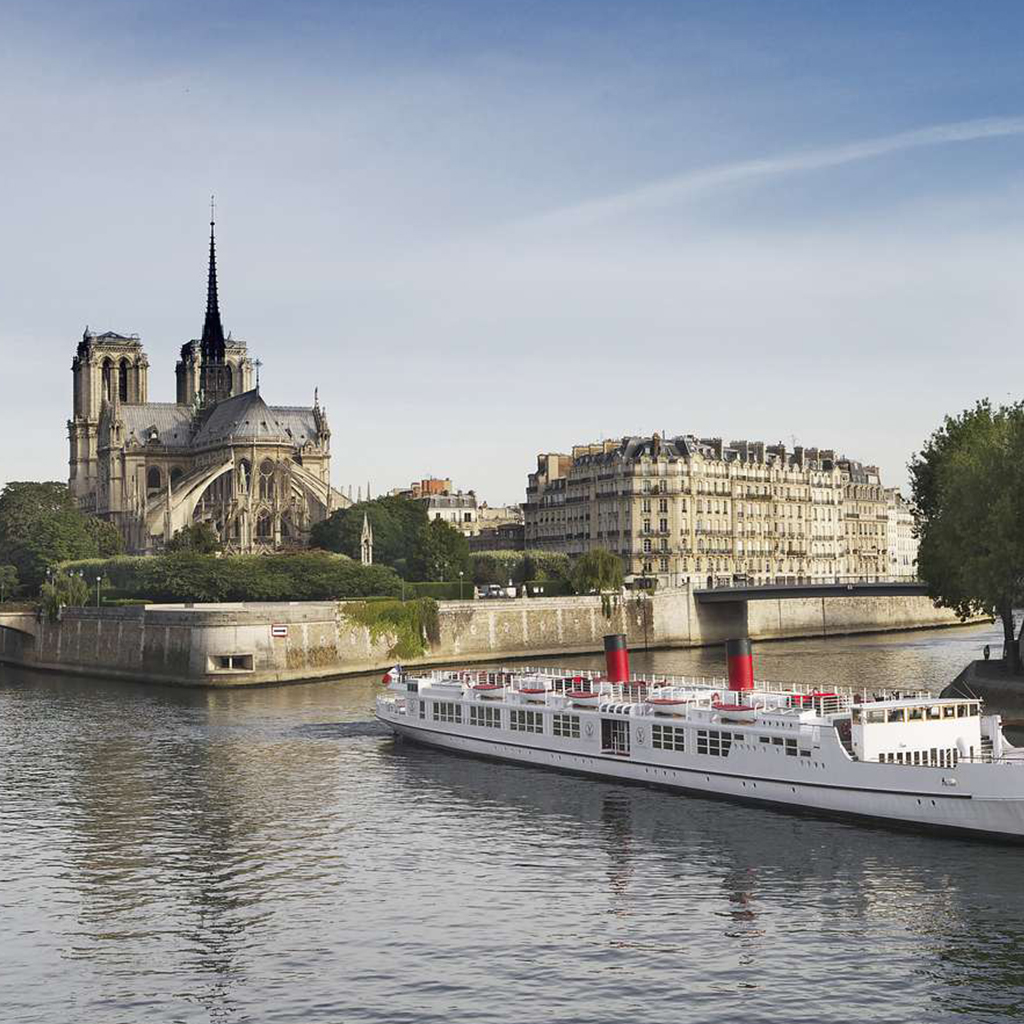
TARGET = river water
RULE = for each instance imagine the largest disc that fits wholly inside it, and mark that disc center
(269, 855)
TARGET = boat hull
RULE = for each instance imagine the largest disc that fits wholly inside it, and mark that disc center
(997, 818)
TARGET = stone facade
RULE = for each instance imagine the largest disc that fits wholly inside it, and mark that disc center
(258, 474)
(689, 510)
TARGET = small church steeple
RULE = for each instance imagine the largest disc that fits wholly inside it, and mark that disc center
(366, 542)
(215, 375)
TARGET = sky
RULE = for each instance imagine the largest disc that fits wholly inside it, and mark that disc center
(486, 230)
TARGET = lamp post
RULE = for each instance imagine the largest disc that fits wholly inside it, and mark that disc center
(98, 578)
(460, 584)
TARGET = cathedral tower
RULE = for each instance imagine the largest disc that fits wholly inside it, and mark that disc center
(106, 367)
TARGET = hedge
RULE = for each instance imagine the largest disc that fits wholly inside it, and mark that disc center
(303, 576)
(501, 566)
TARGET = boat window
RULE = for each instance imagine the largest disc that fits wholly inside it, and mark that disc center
(948, 711)
(915, 714)
(526, 721)
(765, 739)
(667, 737)
(961, 711)
(895, 715)
(447, 711)
(423, 709)
(899, 757)
(934, 756)
(485, 716)
(855, 714)
(934, 712)
(791, 748)
(567, 726)
(876, 716)
(974, 709)
(777, 740)
(805, 753)
(917, 757)
(714, 742)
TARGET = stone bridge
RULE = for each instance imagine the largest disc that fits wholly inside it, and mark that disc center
(17, 634)
(826, 588)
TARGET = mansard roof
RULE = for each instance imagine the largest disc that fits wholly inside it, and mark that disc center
(242, 418)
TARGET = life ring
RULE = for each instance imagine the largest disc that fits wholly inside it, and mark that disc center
(386, 679)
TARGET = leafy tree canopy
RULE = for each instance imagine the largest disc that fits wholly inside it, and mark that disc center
(440, 553)
(65, 590)
(40, 525)
(396, 523)
(8, 581)
(198, 538)
(968, 491)
(598, 570)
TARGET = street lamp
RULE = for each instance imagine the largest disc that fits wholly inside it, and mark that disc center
(98, 578)
(460, 584)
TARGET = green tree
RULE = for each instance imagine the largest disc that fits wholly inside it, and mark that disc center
(396, 523)
(40, 525)
(598, 570)
(198, 538)
(8, 582)
(968, 490)
(441, 553)
(64, 590)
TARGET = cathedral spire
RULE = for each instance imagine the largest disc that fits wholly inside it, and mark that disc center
(213, 332)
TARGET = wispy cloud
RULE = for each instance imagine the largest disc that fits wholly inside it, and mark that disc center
(682, 186)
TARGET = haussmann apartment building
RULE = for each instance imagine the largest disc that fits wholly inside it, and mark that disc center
(695, 510)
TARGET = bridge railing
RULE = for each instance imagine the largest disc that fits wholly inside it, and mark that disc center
(743, 582)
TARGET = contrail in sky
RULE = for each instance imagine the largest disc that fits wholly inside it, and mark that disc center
(682, 186)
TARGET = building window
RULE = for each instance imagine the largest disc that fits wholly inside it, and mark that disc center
(664, 565)
(668, 737)
(267, 480)
(447, 711)
(485, 716)
(122, 380)
(152, 479)
(566, 726)
(526, 721)
(647, 544)
(264, 527)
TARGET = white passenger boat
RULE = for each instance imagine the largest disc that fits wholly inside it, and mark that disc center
(905, 758)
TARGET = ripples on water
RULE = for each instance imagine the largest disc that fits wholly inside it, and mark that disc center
(271, 856)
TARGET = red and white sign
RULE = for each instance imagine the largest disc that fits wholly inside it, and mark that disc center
(279, 631)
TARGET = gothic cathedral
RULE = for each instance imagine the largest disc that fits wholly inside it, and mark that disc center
(258, 474)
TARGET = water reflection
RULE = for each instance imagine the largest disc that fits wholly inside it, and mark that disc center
(262, 855)
(782, 894)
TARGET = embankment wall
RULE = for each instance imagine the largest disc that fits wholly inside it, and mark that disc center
(252, 644)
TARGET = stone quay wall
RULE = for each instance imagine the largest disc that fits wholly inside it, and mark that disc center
(254, 644)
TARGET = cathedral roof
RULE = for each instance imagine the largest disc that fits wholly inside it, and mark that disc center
(244, 417)
(299, 422)
(172, 423)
